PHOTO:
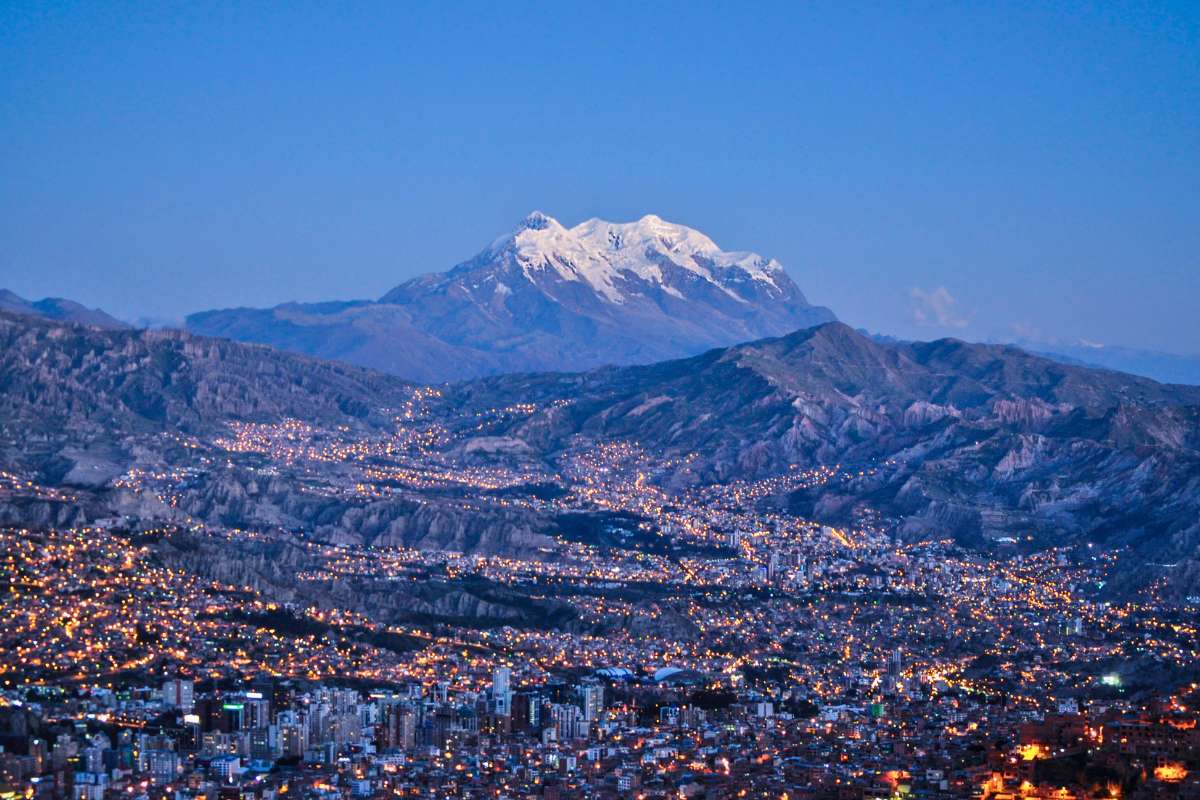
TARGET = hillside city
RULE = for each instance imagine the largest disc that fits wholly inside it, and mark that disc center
(660, 400)
(665, 643)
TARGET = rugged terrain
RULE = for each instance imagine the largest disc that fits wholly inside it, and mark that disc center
(989, 445)
(545, 297)
(984, 443)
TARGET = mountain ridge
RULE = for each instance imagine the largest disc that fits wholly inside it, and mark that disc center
(59, 309)
(545, 297)
(1157, 364)
(983, 443)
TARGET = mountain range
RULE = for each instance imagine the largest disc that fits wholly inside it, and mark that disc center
(983, 443)
(59, 309)
(545, 297)
(1164, 367)
(549, 298)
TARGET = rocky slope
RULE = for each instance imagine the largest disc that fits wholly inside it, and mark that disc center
(947, 438)
(80, 408)
(79, 405)
(270, 567)
(984, 443)
(238, 498)
(546, 297)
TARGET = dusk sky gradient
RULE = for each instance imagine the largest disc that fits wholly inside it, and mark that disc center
(967, 169)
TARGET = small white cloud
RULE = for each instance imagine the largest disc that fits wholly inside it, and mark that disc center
(935, 308)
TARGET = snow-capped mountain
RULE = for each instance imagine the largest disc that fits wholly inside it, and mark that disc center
(622, 260)
(547, 297)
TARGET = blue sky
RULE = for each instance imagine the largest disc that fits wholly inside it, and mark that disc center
(925, 169)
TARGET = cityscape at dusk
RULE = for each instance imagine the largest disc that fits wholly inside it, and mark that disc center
(614, 507)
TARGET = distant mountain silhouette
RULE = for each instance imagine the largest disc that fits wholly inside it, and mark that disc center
(59, 309)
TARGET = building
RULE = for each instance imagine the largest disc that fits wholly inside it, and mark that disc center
(163, 766)
(177, 693)
(502, 691)
(593, 702)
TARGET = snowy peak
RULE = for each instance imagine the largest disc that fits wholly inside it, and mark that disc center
(547, 297)
(612, 257)
(537, 221)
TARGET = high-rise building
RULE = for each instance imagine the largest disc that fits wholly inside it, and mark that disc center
(526, 711)
(593, 701)
(256, 710)
(293, 734)
(178, 693)
(163, 766)
(405, 726)
(235, 716)
(264, 743)
(502, 691)
(568, 722)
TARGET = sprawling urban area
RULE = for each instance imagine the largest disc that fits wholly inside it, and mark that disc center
(653, 643)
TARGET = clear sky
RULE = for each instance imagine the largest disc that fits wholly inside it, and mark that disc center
(925, 169)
